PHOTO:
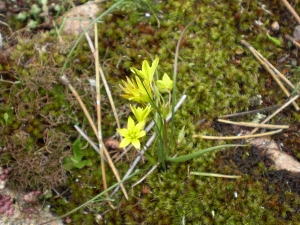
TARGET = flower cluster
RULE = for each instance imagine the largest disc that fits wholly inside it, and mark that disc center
(143, 90)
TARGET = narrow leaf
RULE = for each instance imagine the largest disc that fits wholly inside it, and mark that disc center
(201, 152)
(215, 175)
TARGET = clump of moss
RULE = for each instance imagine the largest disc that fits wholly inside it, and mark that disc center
(41, 111)
(215, 85)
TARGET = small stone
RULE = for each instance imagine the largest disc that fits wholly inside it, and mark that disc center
(79, 18)
(275, 26)
(296, 33)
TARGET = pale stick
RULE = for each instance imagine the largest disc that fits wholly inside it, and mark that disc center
(254, 52)
(290, 8)
(236, 137)
(277, 111)
(245, 124)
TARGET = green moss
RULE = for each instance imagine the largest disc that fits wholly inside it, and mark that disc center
(207, 74)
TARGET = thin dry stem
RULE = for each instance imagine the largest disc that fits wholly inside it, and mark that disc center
(277, 111)
(111, 164)
(98, 107)
(81, 132)
(245, 124)
(237, 137)
(99, 69)
(291, 9)
(290, 38)
(277, 72)
(108, 92)
(255, 53)
(250, 112)
(146, 175)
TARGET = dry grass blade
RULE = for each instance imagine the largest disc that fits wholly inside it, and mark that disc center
(98, 107)
(290, 8)
(265, 64)
(146, 175)
(277, 111)
(245, 124)
(290, 38)
(81, 132)
(280, 75)
(108, 92)
(111, 164)
(271, 108)
(237, 137)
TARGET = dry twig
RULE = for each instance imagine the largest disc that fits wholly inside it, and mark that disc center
(266, 64)
(291, 9)
(268, 126)
(236, 137)
(277, 111)
(87, 114)
(290, 38)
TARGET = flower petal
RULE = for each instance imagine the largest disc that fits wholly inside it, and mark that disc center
(136, 143)
(142, 133)
(140, 125)
(123, 132)
(125, 142)
(130, 123)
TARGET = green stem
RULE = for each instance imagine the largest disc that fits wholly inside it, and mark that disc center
(150, 158)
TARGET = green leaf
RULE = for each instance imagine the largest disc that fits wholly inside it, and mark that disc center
(6, 117)
(201, 152)
(276, 41)
(68, 165)
(80, 164)
(74, 160)
(77, 150)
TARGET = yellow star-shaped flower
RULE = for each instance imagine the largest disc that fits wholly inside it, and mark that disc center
(165, 85)
(147, 71)
(137, 90)
(141, 113)
(132, 134)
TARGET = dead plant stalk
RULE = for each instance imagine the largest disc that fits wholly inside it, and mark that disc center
(111, 164)
(266, 64)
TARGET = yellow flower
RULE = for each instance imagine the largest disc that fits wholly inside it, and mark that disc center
(165, 85)
(132, 134)
(139, 113)
(147, 72)
(137, 90)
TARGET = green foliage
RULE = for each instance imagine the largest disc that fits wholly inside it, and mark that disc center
(34, 13)
(276, 41)
(76, 161)
(41, 113)
(6, 117)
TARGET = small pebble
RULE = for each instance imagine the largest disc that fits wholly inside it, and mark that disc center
(296, 33)
(275, 26)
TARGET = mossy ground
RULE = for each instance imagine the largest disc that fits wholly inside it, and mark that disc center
(42, 111)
